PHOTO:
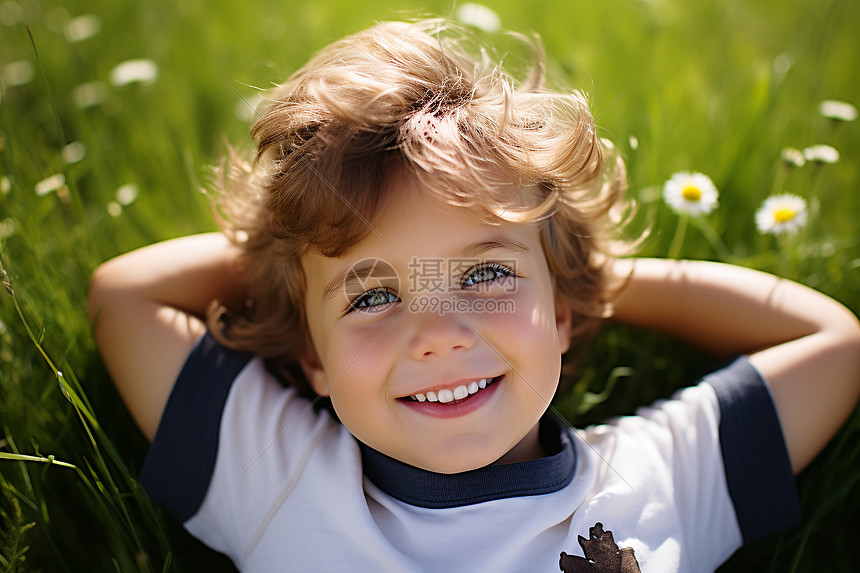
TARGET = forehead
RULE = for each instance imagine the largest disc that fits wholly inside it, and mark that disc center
(416, 224)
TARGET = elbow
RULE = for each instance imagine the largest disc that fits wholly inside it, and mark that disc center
(838, 347)
(842, 327)
(95, 297)
(98, 293)
(853, 337)
(853, 331)
(849, 331)
(848, 341)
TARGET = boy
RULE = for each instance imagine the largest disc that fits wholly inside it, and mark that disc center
(419, 243)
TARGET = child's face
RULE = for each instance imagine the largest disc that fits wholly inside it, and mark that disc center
(451, 318)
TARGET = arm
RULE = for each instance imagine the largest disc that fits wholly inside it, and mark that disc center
(805, 344)
(147, 309)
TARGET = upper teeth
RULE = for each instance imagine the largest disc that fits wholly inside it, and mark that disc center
(458, 393)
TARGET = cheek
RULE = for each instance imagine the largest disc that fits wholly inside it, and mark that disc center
(528, 323)
(357, 363)
(528, 338)
(358, 372)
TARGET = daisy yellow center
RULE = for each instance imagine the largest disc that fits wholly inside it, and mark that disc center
(784, 215)
(691, 193)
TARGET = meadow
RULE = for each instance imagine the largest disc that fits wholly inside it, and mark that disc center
(112, 115)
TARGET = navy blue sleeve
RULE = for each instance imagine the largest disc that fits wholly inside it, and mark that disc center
(758, 470)
(180, 461)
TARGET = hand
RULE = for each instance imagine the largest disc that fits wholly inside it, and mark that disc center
(148, 308)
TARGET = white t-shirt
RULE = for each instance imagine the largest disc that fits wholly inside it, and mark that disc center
(256, 472)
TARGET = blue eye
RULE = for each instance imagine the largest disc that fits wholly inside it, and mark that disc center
(372, 300)
(485, 273)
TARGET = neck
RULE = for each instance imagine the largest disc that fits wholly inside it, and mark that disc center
(529, 448)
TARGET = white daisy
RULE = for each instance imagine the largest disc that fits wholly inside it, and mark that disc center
(130, 71)
(11, 13)
(821, 154)
(792, 157)
(50, 184)
(82, 27)
(834, 109)
(246, 108)
(126, 194)
(691, 193)
(479, 16)
(114, 209)
(781, 214)
(73, 152)
(8, 227)
(89, 94)
(17, 73)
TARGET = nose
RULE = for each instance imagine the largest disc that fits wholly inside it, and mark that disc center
(438, 334)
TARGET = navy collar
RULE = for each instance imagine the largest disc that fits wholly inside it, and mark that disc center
(428, 489)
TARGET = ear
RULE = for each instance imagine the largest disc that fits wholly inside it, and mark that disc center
(563, 322)
(313, 369)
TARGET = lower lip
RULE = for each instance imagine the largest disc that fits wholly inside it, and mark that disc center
(455, 409)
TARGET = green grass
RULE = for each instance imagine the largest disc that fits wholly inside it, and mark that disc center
(694, 82)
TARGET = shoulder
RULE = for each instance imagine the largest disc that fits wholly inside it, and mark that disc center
(181, 458)
(226, 410)
(718, 442)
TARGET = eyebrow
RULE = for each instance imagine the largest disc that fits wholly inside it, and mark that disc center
(357, 272)
(499, 242)
(365, 269)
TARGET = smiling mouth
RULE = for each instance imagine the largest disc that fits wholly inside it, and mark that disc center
(458, 394)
